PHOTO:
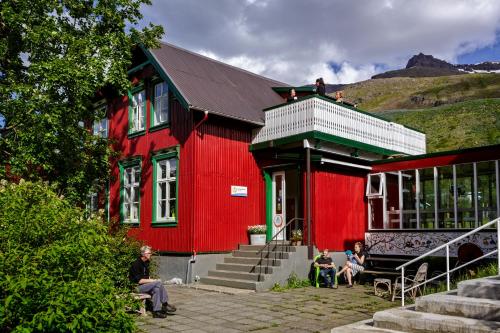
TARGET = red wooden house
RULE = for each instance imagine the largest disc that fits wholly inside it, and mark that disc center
(208, 149)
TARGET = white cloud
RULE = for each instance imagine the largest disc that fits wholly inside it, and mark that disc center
(295, 41)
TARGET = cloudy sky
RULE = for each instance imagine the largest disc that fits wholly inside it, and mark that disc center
(296, 41)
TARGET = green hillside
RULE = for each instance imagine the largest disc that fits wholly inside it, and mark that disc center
(417, 93)
(461, 125)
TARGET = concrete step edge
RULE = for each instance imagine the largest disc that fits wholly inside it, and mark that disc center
(409, 320)
(452, 304)
(233, 283)
(237, 275)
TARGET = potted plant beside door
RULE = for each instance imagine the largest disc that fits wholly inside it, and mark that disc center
(257, 234)
(296, 237)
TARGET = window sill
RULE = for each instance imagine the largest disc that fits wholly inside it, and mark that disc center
(159, 127)
(131, 224)
(164, 224)
(136, 134)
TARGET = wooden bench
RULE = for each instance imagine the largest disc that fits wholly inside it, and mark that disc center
(143, 298)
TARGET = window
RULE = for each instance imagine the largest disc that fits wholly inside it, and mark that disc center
(160, 114)
(165, 188)
(446, 198)
(487, 191)
(137, 110)
(130, 175)
(427, 198)
(465, 196)
(375, 185)
(100, 128)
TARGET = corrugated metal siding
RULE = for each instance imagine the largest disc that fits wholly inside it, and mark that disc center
(178, 238)
(222, 160)
(339, 209)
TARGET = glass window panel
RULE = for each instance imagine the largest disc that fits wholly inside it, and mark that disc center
(446, 211)
(279, 194)
(163, 170)
(486, 191)
(164, 209)
(163, 190)
(392, 187)
(160, 103)
(409, 187)
(465, 196)
(172, 208)
(427, 198)
(135, 211)
(171, 193)
(173, 168)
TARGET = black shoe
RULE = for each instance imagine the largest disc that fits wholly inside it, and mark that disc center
(159, 314)
(168, 308)
(349, 286)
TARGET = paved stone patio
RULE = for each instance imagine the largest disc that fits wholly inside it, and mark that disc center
(298, 310)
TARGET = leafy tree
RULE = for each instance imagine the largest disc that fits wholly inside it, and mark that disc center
(54, 57)
(60, 272)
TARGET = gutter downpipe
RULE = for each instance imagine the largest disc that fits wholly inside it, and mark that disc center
(189, 270)
(205, 117)
(308, 198)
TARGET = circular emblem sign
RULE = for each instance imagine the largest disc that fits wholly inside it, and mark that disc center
(278, 221)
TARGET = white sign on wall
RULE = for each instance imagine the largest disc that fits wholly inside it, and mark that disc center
(239, 191)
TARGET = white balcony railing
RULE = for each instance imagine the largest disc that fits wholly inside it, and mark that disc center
(317, 114)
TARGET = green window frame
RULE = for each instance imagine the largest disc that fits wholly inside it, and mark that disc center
(137, 111)
(159, 106)
(165, 188)
(130, 191)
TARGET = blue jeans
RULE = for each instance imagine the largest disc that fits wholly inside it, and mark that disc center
(324, 274)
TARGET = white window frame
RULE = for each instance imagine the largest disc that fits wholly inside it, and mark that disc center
(161, 110)
(135, 189)
(137, 111)
(381, 188)
(170, 198)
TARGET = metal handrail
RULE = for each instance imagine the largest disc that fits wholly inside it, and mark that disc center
(268, 244)
(447, 247)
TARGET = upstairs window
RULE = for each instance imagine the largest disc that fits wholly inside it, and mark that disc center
(160, 114)
(100, 127)
(137, 111)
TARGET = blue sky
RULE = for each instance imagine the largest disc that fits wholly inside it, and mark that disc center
(344, 41)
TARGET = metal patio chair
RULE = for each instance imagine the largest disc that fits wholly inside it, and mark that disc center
(410, 282)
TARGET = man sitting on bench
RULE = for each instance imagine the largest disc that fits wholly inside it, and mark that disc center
(139, 273)
(327, 268)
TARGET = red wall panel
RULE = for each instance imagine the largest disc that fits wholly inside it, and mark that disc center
(339, 208)
(176, 238)
(222, 160)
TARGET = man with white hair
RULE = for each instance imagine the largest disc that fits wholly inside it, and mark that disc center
(139, 273)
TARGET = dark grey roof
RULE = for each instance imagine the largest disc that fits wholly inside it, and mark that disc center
(207, 84)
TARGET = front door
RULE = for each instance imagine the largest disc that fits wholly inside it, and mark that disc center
(279, 204)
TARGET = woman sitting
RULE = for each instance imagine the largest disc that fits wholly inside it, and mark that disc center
(354, 264)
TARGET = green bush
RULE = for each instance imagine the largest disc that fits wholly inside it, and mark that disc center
(293, 282)
(60, 272)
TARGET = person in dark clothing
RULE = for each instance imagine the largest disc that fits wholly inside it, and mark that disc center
(139, 273)
(327, 269)
(292, 97)
(320, 87)
(355, 263)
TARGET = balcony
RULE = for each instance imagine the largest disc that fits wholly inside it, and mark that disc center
(320, 117)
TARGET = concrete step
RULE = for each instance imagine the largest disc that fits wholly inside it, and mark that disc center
(453, 305)
(232, 283)
(481, 288)
(365, 326)
(237, 275)
(245, 268)
(409, 320)
(272, 248)
(255, 254)
(252, 261)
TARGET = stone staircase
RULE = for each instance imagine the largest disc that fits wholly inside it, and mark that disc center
(247, 269)
(473, 308)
